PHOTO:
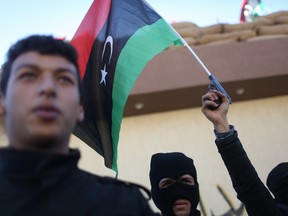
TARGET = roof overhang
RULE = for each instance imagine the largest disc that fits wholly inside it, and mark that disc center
(175, 80)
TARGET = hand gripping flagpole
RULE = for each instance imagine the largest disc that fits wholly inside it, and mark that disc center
(213, 80)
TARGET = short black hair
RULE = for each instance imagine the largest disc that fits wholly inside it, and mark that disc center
(43, 44)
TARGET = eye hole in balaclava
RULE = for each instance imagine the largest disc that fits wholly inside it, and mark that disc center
(277, 182)
(173, 165)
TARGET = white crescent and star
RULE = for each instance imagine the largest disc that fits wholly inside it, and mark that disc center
(103, 75)
(109, 40)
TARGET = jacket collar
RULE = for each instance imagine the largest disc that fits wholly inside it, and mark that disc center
(32, 167)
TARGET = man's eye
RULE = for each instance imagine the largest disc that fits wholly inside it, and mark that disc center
(27, 75)
(166, 183)
(187, 181)
(66, 80)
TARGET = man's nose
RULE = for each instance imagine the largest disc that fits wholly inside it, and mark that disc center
(48, 86)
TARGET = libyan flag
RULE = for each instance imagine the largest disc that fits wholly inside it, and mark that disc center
(114, 42)
(251, 9)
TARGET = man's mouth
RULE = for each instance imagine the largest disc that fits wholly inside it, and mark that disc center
(180, 204)
(47, 113)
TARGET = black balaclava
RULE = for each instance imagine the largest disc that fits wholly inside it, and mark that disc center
(277, 182)
(173, 165)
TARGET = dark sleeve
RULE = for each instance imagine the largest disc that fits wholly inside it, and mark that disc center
(134, 198)
(146, 194)
(250, 189)
(143, 201)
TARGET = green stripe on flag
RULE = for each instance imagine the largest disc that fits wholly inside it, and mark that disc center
(141, 47)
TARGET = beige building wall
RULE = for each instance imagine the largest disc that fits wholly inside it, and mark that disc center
(262, 127)
(261, 124)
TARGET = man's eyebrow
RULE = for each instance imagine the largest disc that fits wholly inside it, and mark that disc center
(186, 177)
(57, 70)
(65, 69)
(27, 65)
(166, 180)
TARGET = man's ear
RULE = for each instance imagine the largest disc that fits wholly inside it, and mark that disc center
(2, 107)
(80, 116)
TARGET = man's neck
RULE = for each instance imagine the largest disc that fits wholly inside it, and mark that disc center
(45, 147)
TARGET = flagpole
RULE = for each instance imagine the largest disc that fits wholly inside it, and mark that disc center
(192, 51)
(214, 82)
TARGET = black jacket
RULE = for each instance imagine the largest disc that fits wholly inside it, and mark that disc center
(250, 189)
(47, 184)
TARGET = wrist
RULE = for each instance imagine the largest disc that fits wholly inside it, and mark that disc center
(222, 127)
(225, 135)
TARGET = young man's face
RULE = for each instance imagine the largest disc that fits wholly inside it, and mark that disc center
(42, 102)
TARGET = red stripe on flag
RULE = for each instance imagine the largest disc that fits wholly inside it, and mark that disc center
(242, 17)
(88, 30)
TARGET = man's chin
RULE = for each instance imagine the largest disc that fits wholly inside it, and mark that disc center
(181, 208)
(46, 143)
